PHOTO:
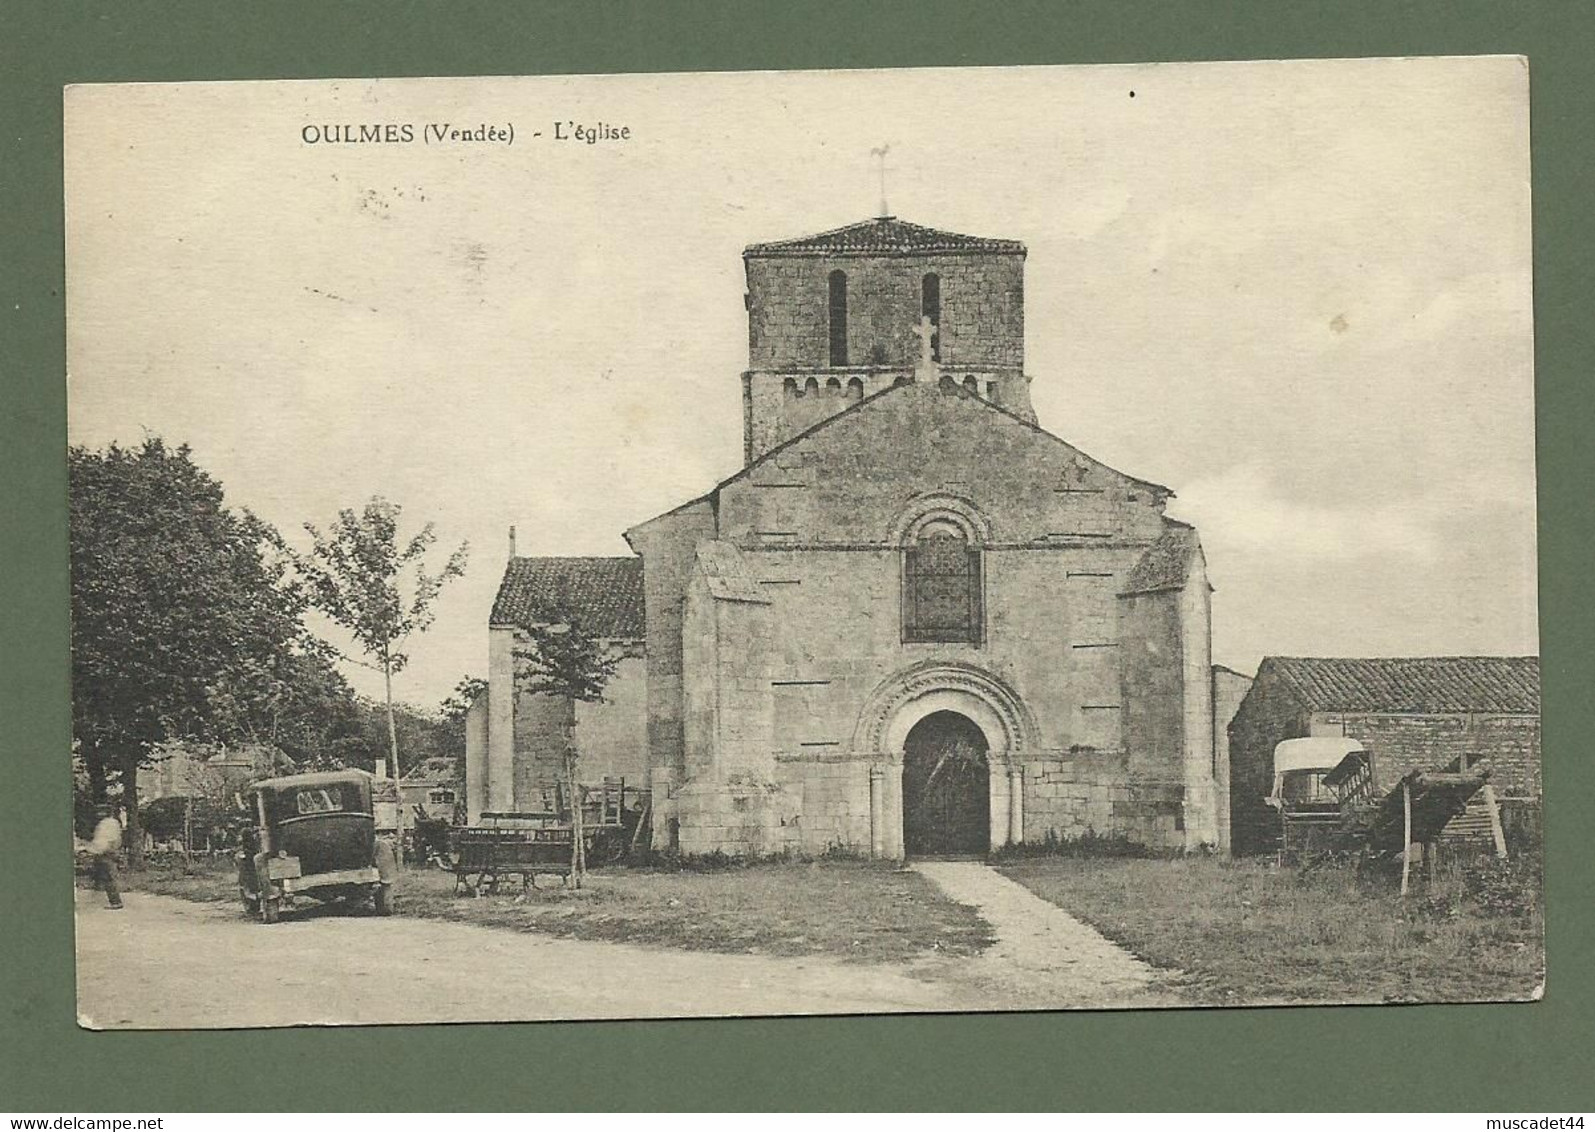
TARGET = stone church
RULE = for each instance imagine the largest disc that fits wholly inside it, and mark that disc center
(914, 622)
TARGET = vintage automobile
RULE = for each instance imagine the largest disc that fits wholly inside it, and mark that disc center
(313, 835)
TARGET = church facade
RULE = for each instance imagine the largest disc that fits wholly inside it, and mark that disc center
(914, 622)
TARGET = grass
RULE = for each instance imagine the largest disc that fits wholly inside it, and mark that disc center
(1247, 932)
(856, 911)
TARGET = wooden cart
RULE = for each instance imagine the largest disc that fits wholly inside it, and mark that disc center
(1309, 813)
(1408, 820)
(527, 844)
(509, 845)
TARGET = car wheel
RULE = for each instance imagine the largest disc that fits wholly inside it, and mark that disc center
(383, 899)
(270, 910)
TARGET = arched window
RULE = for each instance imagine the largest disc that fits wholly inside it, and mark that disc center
(941, 586)
(930, 307)
(838, 307)
(855, 389)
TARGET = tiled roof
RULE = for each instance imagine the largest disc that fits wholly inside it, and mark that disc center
(1422, 685)
(441, 768)
(605, 593)
(1166, 563)
(885, 235)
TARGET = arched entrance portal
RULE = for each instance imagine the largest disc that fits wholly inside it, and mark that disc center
(946, 787)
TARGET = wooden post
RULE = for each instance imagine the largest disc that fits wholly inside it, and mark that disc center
(578, 858)
(393, 761)
(1495, 820)
(1406, 833)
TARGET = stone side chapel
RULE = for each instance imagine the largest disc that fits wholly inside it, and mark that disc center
(915, 622)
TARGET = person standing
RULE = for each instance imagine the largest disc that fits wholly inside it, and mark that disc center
(104, 847)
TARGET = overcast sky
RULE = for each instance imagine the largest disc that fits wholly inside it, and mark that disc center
(1296, 293)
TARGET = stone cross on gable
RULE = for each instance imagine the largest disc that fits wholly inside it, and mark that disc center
(926, 331)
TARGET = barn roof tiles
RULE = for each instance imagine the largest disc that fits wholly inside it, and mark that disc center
(1425, 685)
(886, 235)
(606, 593)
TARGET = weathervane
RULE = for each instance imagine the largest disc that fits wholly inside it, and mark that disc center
(880, 152)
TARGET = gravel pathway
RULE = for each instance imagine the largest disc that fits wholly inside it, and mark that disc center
(1043, 955)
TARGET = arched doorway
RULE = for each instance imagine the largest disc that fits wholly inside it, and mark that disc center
(946, 787)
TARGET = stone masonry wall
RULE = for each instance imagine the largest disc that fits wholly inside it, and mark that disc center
(500, 718)
(982, 309)
(832, 808)
(1229, 689)
(1153, 699)
(816, 527)
(731, 797)
(1200, 815)
(1402, 743)
(668, 545)
(476, 759)
(778, 405)
(1090, 793)
(1271, 713)
(611, 735)
(1268, 714)
(856, 482)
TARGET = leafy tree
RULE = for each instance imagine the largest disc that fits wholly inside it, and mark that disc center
(452, 712)
(297, 702)
(200, 815)
(380, 591)
(421, 734)
(181, 611)
(459, 701)
(565, 660)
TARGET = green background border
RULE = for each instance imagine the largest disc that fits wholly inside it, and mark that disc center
(1470, 1058)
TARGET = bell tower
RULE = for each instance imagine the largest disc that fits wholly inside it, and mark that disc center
(841, 315)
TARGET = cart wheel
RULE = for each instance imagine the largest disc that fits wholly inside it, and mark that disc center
(383, 899)
(270, 909)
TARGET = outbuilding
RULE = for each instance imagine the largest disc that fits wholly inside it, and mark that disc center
(1408, 713)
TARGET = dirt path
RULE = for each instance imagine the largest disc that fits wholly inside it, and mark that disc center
(1043, 955)
(164, 962)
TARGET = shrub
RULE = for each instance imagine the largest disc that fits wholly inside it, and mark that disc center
(1088, 844)
(1504, 886)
